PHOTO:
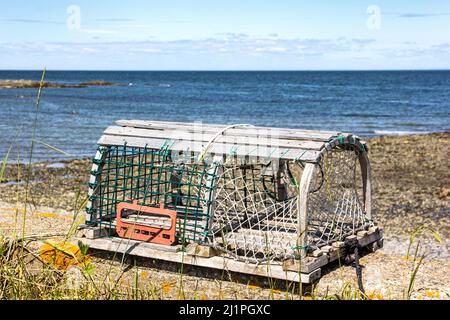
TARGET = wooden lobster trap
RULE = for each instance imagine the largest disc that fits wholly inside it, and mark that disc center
(238, 197)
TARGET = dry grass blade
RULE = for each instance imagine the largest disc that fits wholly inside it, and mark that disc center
(51, 147)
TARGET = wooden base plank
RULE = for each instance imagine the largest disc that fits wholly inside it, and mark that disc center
(205, 256)
(91, 232)
(305, 265)
(148, 250)
(195, 249)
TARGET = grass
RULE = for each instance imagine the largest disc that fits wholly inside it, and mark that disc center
(24, 274)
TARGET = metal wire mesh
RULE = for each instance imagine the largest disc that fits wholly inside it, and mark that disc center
(151, 177)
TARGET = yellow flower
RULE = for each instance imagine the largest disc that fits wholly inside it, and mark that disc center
(252, 286)
(144, 274)
(375, 295)
(203, 297)
(432, 294)
(276, 291)
(379, 296)
(166, 287)
(63, 255)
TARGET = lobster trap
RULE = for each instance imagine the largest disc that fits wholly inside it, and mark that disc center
(250, 196)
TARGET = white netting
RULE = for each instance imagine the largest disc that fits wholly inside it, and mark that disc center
(335, 200)
(255, 210)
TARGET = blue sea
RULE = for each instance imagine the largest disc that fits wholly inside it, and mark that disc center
(368, 103)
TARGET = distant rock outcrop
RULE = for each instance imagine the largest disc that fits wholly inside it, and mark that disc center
(17, 84)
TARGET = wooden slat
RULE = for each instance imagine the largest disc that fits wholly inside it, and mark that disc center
(164, 124)
(253, 239)
(216, 148)
(296, 134)
(269, 234)
(281, 224)
(138, 248)
(251, 138)
(254, 244)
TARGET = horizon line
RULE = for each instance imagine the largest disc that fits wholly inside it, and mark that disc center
(228, 70)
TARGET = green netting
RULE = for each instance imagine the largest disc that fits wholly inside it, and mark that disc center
(151, 177)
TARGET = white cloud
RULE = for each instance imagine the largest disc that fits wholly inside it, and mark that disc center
(234, 49)
(97, 31)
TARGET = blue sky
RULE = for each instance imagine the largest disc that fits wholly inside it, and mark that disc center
(224, 35)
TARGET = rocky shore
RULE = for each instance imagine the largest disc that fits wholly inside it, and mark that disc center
(20, 84)
(411, 182)
(411, 177)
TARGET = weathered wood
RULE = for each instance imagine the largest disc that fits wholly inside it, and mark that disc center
(184, 135)
(367, 184)
(361, 233)
(92, 232)
(305, 265)
(374, 246)
(268, 234)
(280, 225)
(116, 241)
(255, 244)
(285, 133)
(195, 249)
(302, 204)
(335, 253)
(141, 249)
(370, 237)
(216, 148)
(317, 253)
(338, 244)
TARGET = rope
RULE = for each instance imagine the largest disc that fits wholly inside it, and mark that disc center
(354, 247)
(205, 150)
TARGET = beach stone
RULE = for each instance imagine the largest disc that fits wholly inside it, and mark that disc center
(445, 193)
(56, 165)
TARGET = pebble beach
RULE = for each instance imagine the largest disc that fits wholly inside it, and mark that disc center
(411, 189)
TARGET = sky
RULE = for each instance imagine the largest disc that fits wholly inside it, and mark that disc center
(225, 35)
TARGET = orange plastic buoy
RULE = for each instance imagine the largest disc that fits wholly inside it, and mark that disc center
(143, 232)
